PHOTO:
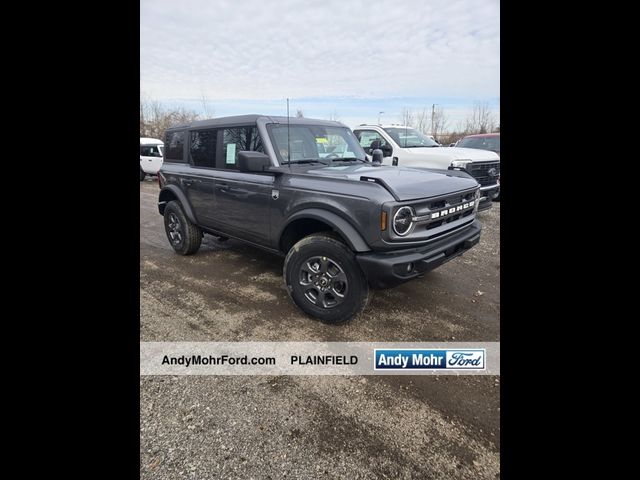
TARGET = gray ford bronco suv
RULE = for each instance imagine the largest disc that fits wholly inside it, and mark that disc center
(305, 189)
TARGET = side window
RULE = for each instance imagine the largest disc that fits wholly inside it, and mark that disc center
(236, 139)
(202, 146)
(367, 137)
(150, 151)
(174, 144)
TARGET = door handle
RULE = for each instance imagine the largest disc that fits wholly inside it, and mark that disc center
(188, 182)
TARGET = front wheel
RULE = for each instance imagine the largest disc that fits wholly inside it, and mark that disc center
(142, 174)
(324, 279)
(184, 236)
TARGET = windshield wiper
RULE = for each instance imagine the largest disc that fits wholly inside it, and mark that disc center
(305, 160)
(347, 159)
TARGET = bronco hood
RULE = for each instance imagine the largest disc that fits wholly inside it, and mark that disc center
(403, 183)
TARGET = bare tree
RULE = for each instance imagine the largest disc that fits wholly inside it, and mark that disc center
(299, 113)
(408, 118)
(205, 107)
(439, 122)
(433, 123)
(155, 118)
(421, 122)
(481, 119)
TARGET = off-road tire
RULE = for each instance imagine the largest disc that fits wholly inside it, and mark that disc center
(342, 263)
(190, 236)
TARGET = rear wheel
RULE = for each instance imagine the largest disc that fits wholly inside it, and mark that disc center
(324, 279)
(184, 236)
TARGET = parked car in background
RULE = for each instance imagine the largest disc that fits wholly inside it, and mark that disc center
(151, 151)
(483, 141)
(407, 147)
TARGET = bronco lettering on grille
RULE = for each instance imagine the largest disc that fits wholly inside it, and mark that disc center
(452, 210)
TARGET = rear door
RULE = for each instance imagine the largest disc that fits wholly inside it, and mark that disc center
(242, 198)
(201, 150)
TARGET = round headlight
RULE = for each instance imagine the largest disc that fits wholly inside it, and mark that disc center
(402, 221)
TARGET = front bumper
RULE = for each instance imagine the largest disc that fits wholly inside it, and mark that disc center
(389, 269)
(487, 194)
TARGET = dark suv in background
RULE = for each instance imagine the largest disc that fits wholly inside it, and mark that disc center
(483, 141)
(305, 189)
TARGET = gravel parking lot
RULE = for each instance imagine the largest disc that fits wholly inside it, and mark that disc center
(302, 427)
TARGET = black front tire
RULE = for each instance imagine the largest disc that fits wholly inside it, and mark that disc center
(184, 236)
(142, 174)
(346, 292)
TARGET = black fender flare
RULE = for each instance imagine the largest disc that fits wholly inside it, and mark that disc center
(182, 198)
(339, 224)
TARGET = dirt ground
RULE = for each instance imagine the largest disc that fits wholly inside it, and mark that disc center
(302, 427)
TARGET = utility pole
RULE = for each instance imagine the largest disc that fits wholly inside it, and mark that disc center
(379, 113)
(433, 111)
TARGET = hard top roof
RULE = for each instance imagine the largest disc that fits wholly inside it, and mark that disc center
(249, 119)
(150, 141)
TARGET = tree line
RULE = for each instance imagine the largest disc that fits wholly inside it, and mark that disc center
(155, 118)
(434, 121)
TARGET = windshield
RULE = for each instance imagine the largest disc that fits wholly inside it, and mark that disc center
(482, 143)
(410, 138)
(151, 150)
(315, 142)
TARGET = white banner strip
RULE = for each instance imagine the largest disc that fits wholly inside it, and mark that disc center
(318, 358)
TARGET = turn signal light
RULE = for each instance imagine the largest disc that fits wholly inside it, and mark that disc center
(383, 220)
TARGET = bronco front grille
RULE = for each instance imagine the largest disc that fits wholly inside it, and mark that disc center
(440, 216)
(486, 173)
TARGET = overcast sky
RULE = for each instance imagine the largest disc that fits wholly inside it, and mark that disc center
(347, 58)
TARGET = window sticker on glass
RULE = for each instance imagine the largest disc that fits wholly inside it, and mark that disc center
(322, 140)
(231, 153)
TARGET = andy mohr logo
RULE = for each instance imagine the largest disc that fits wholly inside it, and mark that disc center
(421, 359)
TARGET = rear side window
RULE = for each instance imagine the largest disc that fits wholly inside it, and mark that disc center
(202, 146)
(174, 145)
(237, 139)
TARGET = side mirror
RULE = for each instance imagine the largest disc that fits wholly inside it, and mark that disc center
(386, 149)
(377, 157)
(253, 161)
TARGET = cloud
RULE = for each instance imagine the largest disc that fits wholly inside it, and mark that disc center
(254, 49)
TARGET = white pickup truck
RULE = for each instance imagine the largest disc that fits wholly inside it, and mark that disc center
(406, 146)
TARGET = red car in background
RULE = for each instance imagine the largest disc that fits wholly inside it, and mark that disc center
(483, 141)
